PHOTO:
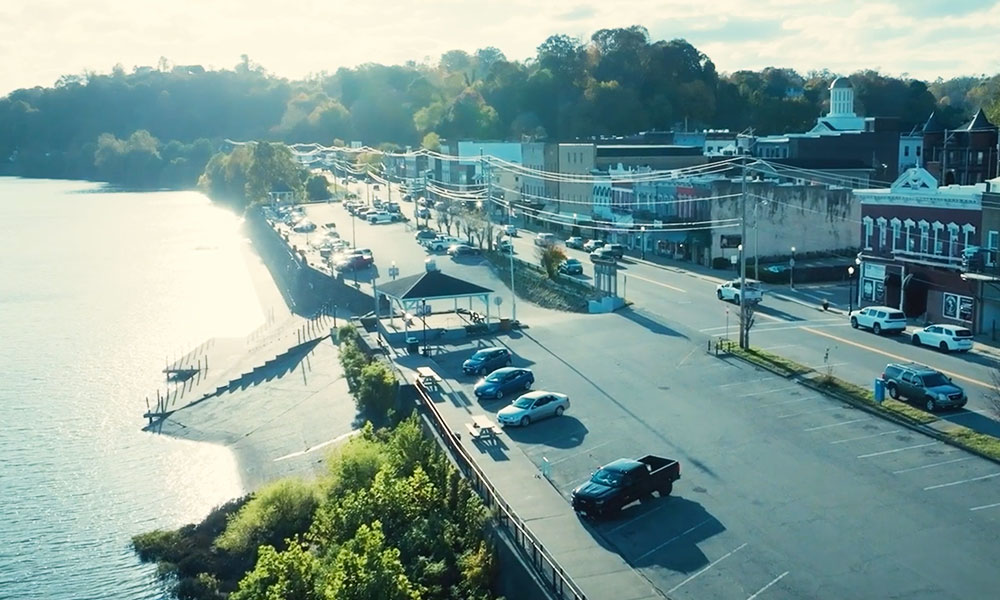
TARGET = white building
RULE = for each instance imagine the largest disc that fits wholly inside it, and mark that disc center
(841, 116)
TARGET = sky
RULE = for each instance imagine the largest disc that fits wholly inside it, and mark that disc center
(41, 40)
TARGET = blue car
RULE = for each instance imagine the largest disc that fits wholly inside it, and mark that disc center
(486, 361)
(504, 381)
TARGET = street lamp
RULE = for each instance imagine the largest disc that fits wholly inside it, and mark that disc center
(791, 270)
(642, 242)
(850, 287)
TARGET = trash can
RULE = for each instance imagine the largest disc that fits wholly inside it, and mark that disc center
(413, 345)
(879, 390)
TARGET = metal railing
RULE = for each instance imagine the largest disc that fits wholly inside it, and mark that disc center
(531, 549)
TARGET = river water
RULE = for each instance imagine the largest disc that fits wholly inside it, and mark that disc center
(97, 289)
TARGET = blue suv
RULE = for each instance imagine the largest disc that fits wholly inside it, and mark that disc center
(504, 381)
(486, 361)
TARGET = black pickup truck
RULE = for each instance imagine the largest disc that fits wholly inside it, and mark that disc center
(617, 484)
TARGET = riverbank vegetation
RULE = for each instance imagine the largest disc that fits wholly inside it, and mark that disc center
(392, 519)
(159, 121)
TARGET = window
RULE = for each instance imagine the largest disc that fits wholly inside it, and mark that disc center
(924, 238)
(991, 245)
(906, 150)
(917, 150)
(869, 226)
(952, 241)
(881, 234)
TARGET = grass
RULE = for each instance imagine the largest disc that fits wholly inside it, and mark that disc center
(862, 394)
(771, 361)
(981, 443)
(533, 285)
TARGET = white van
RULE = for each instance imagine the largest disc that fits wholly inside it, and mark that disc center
(545, 239)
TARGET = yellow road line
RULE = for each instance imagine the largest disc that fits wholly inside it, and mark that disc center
(895, 356)
(666, 285)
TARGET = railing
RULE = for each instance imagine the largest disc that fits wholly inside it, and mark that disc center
(531, 549)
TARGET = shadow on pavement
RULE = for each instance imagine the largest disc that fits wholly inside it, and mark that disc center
(768, 310)
(644, 319)
(973, 420)
(492, 447)
(561, 432)
(675, 530)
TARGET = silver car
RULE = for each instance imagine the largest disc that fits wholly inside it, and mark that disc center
(532, 407)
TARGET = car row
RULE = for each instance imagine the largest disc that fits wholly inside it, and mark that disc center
(501, 379)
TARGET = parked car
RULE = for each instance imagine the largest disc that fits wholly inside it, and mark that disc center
(533, 406)
(505, 247)
(440, 205)
(947, 338)
(504, 381)
(463, 250)
(353, 262)
(879, 319)
(571, 266)
(545, 239)
(591, 245)
(510, 230)
(380, 217)
(425, 235)
(923, 385)
(603, 255)
(486, 361)
(575, 242)
(393, 208)
(423, 212)
(304, 226)
(617, 249)
(622, 482)
(730, 291)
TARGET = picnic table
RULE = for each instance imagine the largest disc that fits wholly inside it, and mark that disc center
(428, 377)
(482, 427)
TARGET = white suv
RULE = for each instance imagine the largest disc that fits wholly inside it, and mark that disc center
(879, 319)
(730, 291)
(948, 338)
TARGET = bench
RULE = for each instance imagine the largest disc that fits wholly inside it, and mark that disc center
(427, 377)
(481, 428)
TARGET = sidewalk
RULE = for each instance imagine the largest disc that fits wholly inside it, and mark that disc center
(599, 572)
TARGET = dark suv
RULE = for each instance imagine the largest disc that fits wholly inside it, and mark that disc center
(486, 361)
(617, 249)
(922, 384)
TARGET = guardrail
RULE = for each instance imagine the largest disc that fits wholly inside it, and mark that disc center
(531, 549)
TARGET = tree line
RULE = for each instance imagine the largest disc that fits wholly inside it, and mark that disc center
(153, 126)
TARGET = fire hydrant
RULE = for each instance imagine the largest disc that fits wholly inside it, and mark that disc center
(826, 304)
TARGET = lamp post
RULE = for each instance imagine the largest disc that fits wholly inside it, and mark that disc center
(513, 294)
(423, 317)
(642, 242)
(850, 287)
(791, 270)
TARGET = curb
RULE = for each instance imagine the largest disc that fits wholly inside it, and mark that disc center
(887, 415)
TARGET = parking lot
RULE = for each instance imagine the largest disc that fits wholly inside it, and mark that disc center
(784, 493)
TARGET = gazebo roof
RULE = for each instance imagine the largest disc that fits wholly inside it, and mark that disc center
(429, 285)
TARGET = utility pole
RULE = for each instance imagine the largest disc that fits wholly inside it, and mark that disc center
(744, 334)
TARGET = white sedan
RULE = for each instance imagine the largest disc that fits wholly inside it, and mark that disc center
(532, 407)
(948, 338)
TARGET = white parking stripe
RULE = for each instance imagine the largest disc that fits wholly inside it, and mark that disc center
(575, 454)
(763, 589)
(865, 437)
(791, 387)
(944, 485)
(637, 517)
(673, 539)
(810, 412)
(710, 565)
(788, 401)
(898, 450)
(725, 385)
(937, 464)
(835, 424)
(994, 505)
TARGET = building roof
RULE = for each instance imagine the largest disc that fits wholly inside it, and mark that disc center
(841, 82)
(429, 285)
(979, 122)
(646, 150)
(932, 125)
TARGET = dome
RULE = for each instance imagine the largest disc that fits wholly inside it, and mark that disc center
(841, 82)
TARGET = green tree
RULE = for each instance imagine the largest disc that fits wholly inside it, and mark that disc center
(431, 141)
(365, 569)
(274, 514)
(376, 393)
(550, 257)
(293, 573)
(318, 188)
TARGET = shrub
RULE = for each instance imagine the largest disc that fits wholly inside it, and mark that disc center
(353, 360)
(376, 392)
(274, 514)
(550, 257)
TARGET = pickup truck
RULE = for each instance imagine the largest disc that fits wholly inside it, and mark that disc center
(619, 483)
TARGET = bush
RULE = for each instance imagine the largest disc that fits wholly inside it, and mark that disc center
(274, 514)
(376, 393)
(354, 361)
(550, 257)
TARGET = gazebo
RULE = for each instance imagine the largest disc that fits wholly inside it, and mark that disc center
(414, 291)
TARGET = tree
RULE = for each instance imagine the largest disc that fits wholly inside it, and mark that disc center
(318, 188)
(431, 142)
(275, 513)
(294, 573)
(550, 257)
(365, 568)
(376, 394)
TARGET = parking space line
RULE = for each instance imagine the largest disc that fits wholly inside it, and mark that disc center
(787, 401)
(575, 454)
(944, 485)
(835, 424)
(666, 285)
(865, 437)
(710, 565)
(725, 385)
(791, 387)
(937, 464)
(764, 589)
(637, 517)
(810, 412)
(994, 505)
(673, 539)
(883, 452)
